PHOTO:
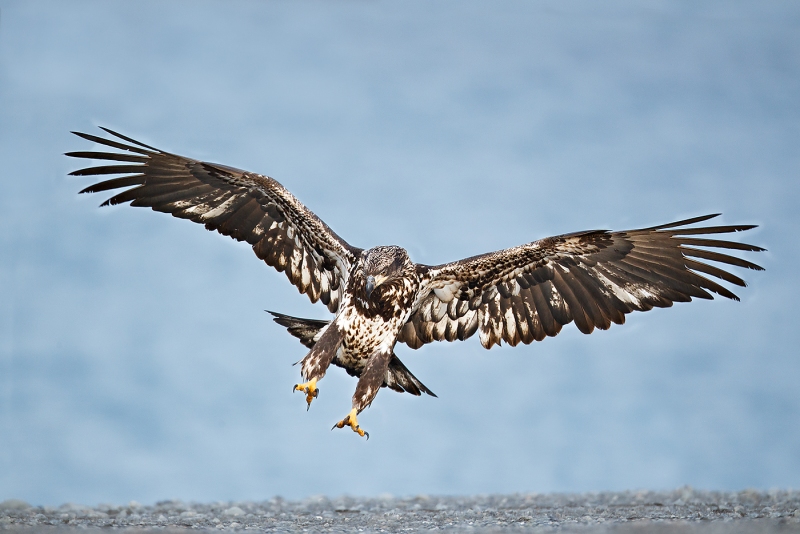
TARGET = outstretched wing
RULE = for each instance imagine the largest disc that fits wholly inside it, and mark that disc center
(594, 278)
(246, 206)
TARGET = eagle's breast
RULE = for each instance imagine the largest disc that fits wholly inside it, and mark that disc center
(370, 324)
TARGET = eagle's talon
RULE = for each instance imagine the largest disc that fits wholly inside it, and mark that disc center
(310, 389)
(351, 421)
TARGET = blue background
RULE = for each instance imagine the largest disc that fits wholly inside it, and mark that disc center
(136, 361)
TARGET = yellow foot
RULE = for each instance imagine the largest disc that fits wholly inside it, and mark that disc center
(310, 389)
(352, 422)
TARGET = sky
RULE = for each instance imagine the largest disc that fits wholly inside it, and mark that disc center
(137, 363)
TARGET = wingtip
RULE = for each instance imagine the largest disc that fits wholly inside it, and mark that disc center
(126, 138)
(110, 131)
(684, 222)
(82, 135)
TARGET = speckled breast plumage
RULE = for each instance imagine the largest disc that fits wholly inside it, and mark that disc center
(370, 325)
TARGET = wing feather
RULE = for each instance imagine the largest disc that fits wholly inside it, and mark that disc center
(245, 206)
(579, 315)
(593, 278)
(600, 296)
(549, 325)
(719, 257)
(556, 303)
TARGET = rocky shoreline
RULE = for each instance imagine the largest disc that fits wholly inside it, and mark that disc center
(682, 510)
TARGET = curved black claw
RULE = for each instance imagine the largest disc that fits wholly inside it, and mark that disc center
(351, 421)
(310, 389)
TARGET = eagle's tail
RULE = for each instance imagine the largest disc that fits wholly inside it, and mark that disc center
(398, 377)
(303, 329)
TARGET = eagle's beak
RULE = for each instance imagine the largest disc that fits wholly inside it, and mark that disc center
(373, 282)
(370, 286)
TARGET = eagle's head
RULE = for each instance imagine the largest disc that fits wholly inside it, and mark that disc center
(384, 264)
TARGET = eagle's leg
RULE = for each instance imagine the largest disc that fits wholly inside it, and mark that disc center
(368, 386)
(316, 362)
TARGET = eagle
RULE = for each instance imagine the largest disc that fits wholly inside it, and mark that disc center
(379, 296)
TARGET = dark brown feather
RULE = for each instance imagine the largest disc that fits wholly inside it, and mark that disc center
(115, 183)
(718, 243)
(719, 257)
(549, 324)
(112, 144)
(107, 156)
(582, 321)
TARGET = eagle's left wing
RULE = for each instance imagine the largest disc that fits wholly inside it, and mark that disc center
(244, 205)
(595, 277)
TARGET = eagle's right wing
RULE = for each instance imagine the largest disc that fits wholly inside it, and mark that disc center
(594, 278)
(244, 205)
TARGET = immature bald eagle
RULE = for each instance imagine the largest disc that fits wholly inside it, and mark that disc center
(379, 296)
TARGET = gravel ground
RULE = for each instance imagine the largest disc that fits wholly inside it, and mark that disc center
(681, 511)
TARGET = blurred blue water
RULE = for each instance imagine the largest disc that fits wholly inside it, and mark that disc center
(136, 361)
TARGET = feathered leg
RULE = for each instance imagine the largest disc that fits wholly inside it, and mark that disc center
(316, 362)
(398, 377)
(368, 386)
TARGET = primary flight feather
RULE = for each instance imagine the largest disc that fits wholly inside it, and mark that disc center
(379, 296)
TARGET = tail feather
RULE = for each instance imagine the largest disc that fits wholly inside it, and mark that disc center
(303, 329)
(398, 377)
